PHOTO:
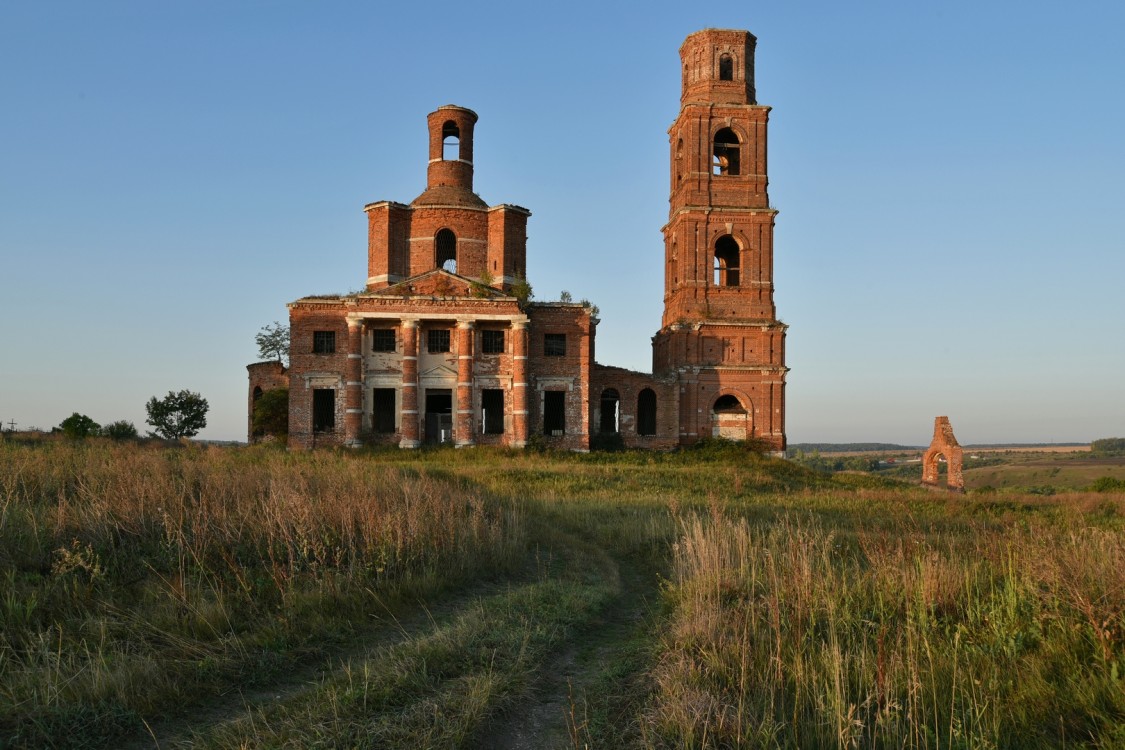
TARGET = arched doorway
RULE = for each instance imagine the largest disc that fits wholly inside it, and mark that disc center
(730, 419)
(610, 419)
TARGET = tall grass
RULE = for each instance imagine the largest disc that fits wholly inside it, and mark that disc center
(797, 634)
(133, 579)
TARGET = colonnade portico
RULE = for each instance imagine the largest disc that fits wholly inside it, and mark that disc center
(455, 374)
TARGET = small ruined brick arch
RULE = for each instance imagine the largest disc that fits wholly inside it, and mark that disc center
(450, 141)
(944, 445)
(610, 411)
(726, 153)
(646, 412)
(728, 261)
(732, 417)
(445, 250)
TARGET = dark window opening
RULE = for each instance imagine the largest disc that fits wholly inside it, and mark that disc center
(728, 405)
(554, 344)
(383, 340)
(680, 160)
(492, 411)
(324, 342)
(324, 409)
(257, 393)
(445, 243)
(726, 153)
(554, 412)
(437, 340)
(492, 342)
(726, 68)
(646, 412)
(383, 410)
(610, 411)
(726, 261)
(450, 141)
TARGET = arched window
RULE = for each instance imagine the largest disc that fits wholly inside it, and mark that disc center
(725, 159)
(726, 261)
(445, 244)
(646, 412)
(679, 160)
(450, 141)
(611, 400)
(726, 67)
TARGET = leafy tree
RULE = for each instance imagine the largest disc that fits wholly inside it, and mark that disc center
(521, 290)
(120, 430)
(78, 426)
(565, 296)
(177, 415)
(273, 342)
(1108, 447)
(271, 413)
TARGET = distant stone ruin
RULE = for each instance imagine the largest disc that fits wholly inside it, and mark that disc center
(944, 445)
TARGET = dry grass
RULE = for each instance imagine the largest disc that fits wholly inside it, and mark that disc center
(797, 634)
(133, 580)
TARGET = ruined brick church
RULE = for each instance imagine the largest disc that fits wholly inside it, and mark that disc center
(443, 345)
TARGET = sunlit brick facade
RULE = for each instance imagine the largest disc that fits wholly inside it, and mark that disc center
(442, 346)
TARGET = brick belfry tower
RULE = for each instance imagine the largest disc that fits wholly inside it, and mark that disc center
(720, 334)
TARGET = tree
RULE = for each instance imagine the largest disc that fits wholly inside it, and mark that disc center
(120, 430)
(273, 342)
(271, 413)
(177, 415)
(78, 426)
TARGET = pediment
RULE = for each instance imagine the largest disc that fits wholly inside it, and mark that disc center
(441, 372)
(440, 283)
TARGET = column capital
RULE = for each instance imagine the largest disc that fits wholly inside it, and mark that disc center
(409, 323)
(466, 324)
(519, 325)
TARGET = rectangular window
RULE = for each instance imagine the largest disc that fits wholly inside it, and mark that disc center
(383, 410)
(324, 410)
(492, 411)
(554, 344)
(383, 340)
(324, 342)
(492, 342)
(554, 412)
(437, 340)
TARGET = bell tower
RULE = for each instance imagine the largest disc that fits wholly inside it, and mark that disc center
(720, 331)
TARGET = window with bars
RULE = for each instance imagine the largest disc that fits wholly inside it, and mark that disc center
(383, 340)
(492, 342)
(324, 342)
(437, 340)
(554, 344)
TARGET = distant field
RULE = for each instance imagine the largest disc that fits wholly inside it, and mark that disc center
(1059, 470)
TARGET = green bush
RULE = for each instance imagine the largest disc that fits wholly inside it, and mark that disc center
(1107, 484)
(78, 426)
(120, 430)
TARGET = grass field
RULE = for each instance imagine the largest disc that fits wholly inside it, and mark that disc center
(205, 597)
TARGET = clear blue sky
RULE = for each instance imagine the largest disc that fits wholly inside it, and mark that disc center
(949, 176)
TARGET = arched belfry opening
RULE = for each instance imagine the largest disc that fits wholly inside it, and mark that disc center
(445, 248)
(727, 265)
(725, 157)
(450, 141)
(726, 67)
(943, 446)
